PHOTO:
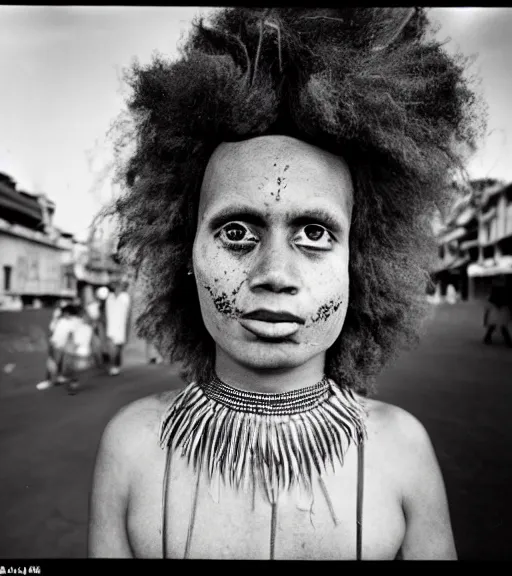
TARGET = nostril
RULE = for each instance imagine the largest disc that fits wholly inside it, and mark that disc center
(276, 288)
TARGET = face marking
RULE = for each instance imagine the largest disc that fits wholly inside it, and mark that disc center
(281, 183)
(237, 289)
(325, 311)
(223, 303)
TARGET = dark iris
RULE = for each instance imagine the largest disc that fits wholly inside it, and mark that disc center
(234, 232)
(313, 232)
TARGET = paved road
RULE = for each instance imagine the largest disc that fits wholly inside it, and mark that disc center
(460, 389)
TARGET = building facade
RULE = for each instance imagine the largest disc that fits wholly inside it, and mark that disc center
(34, 256)
(475, 242)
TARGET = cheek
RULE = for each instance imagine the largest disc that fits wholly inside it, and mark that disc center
(219, 279)
(331, 286)
(330, 304)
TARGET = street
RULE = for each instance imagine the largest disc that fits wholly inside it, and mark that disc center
(459, 388)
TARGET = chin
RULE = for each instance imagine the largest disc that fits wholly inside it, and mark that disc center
(269, 356)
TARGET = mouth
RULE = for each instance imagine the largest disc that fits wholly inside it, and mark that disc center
(273, 317)
(271, 326)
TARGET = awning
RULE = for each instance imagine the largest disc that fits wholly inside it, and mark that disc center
(94, 277)
(13, 200)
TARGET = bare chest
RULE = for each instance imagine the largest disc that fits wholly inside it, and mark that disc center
(209, 521)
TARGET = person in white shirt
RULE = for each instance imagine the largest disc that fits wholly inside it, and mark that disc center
(60, 330)
(117, 315)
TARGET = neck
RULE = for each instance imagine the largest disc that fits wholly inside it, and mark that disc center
(269, 380)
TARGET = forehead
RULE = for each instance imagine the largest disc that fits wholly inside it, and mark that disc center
(255, 170)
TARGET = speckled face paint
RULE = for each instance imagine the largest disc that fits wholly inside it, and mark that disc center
(224, 303)
(326, 310)
(272, 237)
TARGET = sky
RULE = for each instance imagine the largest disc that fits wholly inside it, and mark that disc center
(61, 88)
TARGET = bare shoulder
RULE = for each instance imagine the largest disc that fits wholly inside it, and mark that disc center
(128, 447)
(394, 423)
(401, 444)
(136, 426)
(397, 436)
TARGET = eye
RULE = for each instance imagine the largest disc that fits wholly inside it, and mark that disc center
(237, 236)
(314, 236)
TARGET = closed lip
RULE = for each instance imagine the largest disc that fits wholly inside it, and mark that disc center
(271, 316)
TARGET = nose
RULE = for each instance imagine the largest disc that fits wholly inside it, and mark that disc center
(275, 269)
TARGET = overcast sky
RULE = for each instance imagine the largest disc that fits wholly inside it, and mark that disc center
(60, 89)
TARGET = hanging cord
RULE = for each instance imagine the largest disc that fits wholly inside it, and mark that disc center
(360, 488)
(165, 506)
(328, 500)
(273, 528)
(164, 501)
(193, 514)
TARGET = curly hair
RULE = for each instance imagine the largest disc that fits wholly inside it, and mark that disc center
(367, 84)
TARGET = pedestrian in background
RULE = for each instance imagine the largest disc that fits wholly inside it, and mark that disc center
(79, 356)
(451, 294)
(497, 315)
(95, 315)
(101, 327)
(60, 328)
(117, 316)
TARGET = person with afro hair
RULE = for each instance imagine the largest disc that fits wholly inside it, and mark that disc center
(277, 205)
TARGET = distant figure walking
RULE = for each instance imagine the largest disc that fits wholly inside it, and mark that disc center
(451, 294)
(117, 316)
(497, 314)
(79, 356)
(59, 332)
(96, 315)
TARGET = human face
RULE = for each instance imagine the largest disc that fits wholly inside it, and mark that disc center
(271, 251)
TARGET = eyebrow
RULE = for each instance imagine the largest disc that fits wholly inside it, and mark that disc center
(297, 217)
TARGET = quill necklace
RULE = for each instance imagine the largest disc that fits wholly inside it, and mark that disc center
(283, 439)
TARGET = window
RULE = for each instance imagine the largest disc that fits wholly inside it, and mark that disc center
(7, 278)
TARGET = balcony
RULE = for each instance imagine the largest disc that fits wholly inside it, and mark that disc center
(491, 267)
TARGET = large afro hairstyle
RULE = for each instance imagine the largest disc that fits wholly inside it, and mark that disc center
(369, 84)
